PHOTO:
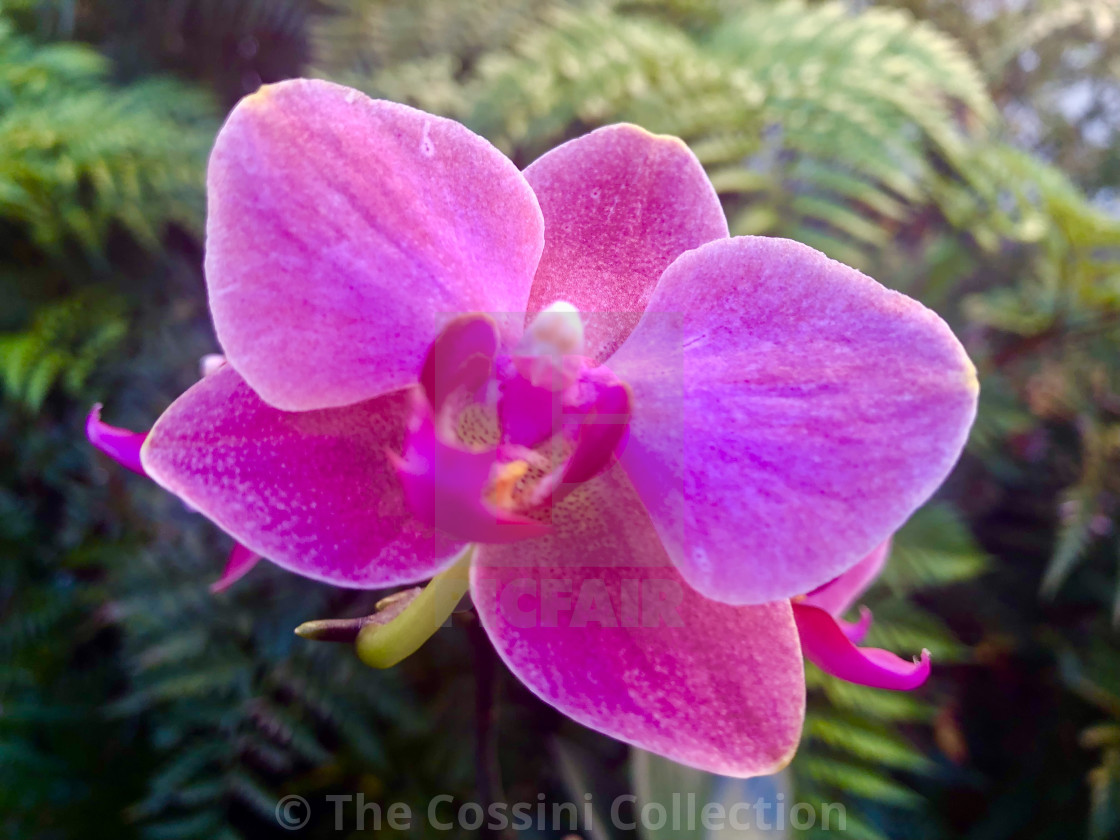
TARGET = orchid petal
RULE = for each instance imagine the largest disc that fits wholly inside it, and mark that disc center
(841, 592)
(344, 232)
(620, 204)
(597, 622)
(240, 563)
(826, 646)
(312, 491)
(122, 445)
(789, 414)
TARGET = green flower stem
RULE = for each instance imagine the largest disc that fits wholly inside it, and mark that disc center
(384, 645)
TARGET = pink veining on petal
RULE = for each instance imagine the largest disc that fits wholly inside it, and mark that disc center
(841, 592)
(790, 413)
(619, 204)
(240, 563)
(122, 445)
(313, 491)
(597, 622)
(344, 232)
(826, 646)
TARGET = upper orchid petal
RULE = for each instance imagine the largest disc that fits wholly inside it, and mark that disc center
(827, 645)
(620, 204)
(841, 592)
(597, 622)
(312, 491)
(789, 414)
(343, 232)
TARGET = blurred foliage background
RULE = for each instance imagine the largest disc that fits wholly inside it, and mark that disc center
(963, 152)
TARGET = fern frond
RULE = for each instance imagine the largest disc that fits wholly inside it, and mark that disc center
(78, 156)
(1079, 508)
(934, 548)
(63, 346)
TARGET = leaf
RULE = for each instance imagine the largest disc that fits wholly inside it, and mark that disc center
(858, 780)
(934, 548)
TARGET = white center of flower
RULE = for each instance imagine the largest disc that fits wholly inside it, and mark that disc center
(550, 351)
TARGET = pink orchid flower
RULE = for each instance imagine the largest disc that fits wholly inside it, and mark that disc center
(656, 437)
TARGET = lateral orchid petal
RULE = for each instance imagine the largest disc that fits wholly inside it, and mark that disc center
(827, 646)
(313, 491)
(619, 204)
(343, 232)
(789, 414)
(596, 621)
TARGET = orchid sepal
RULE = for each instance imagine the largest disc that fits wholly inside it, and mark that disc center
(826, 645)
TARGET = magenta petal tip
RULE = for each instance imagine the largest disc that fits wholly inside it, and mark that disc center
(240, 563)
(827, 646)
(122, 445)
(856, 631)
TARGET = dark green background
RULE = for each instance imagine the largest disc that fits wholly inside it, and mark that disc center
(963, 153)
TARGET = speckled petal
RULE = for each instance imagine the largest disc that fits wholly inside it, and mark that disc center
(597, 622)
(343, 232)
(312, 491)
(789, 414)
(620, 204)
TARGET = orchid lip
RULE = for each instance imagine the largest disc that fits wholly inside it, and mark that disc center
(495, 439)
